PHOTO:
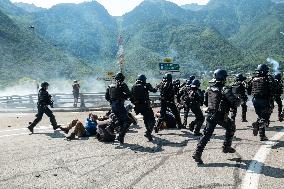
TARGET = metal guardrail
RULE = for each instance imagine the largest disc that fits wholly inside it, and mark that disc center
(62, 100)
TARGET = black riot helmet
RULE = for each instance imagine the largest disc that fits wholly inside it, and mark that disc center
(240, 77)
(192, 77)
(44, 84)
(119, 77)
(177, 82)
(278, 76)
(142, 78)
(195, 83)
(168, 77)
(262, 69)
(220, 75)
(188, 82)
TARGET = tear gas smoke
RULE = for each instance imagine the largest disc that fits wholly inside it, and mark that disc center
(88, 85)
(275, 65)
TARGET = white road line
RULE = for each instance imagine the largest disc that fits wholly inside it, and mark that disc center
(251, 179)
(19, 134)
(38, 127)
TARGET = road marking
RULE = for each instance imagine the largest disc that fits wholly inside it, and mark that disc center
(19, 134)
(251, 179)
(38, 127)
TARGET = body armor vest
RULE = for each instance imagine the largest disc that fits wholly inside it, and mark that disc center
(140, 92)
(116, 92)
(214, 98)
(260, 87)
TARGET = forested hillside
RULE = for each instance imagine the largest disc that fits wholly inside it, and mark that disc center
(78, 40)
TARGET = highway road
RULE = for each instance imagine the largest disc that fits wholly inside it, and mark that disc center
(46, 160)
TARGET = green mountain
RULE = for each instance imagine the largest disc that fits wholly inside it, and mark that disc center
(85, 30)
(253, 26)
(233, 34)
(25, 55)
(31, 8)
(151, 36)
(193, 7)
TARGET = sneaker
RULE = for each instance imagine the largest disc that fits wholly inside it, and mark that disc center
(228, 149)
(65, 130)
(71, 136)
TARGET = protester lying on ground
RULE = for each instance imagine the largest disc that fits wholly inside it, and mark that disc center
(78, 129)
(169, 122)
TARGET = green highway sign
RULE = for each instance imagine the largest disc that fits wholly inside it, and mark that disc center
(169, 67)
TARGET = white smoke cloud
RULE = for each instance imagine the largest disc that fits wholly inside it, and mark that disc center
(275, 65)
(88, 85)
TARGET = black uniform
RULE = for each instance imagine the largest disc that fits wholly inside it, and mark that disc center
(193, 99)
(44, 100)
(261, 87)
(278, 93)
(219, 99)
(168, 101)
(116, 94)
(239, 89)
(140, 98)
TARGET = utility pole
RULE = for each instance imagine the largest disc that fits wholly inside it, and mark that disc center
(120, 54)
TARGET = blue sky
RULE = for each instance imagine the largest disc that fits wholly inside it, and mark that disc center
(114, 7)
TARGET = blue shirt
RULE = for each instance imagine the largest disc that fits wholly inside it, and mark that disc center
(90, 126)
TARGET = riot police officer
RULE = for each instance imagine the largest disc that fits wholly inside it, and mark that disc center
(44, 100)
(278, 93)
(176, 86)
(261, 87)
(191, 78)
(239, 88)
(219, 99)
(116, 94)
(140, 98)
(168, 101)
(193, 99)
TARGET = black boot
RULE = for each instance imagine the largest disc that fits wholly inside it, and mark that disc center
(198, 133)
(280, 116)
(244, 118)
(228, 149)
(262, 134)
(197, 157)
(31, 129)
(56, 127)
(148, 136)
(255, 128)
(120, 139)
(191, 126)
(71, 136)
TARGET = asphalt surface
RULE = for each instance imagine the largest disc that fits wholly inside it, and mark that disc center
(46, 160)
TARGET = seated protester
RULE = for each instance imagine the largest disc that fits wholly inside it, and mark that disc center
(78, 129)
(170, 121)
(105, 129)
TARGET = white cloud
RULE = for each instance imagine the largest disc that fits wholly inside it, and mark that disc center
(115, 7)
